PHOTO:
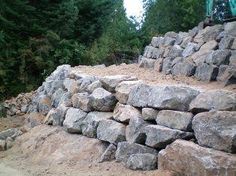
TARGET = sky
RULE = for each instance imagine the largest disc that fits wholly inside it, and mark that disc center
(134, 8)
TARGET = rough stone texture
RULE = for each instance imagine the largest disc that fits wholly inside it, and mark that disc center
(226, 42)
(233, 46)
(230, 28)
(167, 65)
(186, 41)
(190, 49)
(12, 132)
(149, 114)
(109, 154)
(56, 116)
(175, 119)
(206, 72)
(60, 73)
(102, 100)
(157, 41)
(147, 63)
(167, 97)
(211, 45)
(232, 59)
(2, 145)
(71, 85)
(142, 161)
(222, 70)
(216, 130)
(125, 150)
(66, 99)
(110, 82)
(228, 76)
(159, 137)
(214, 100)
(200, 56)
(189, 159)
(44, 104)
(123, 113)
(123, 89)
(82, 101)
(91, 121)
(34, 119)
(111, 131)
(94, 85)
(185, 68)
(56, 97)
(175, 51)
(153, 53)
(73, 120)
(219, 57)
(135, 131)
(168, 41)
(180, 37)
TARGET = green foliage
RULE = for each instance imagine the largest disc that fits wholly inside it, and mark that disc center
(172, 15)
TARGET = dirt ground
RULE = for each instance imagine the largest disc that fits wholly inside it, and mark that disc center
(11, 122)
(50, 151)
(153, 77)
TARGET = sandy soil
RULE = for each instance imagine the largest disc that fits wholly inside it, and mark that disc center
(152, 77)
(51, 151)
(11, 122)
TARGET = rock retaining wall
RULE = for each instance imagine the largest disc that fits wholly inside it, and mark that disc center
(206, 52)
(176, 128)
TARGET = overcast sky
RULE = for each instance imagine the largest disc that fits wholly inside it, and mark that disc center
(134, 8)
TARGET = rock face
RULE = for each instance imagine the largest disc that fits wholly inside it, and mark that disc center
(110, 82)
(102, 100)
(159, 137)
(125, 150)
(109, 154)
(56, 116)
(149, 114)
(175, 119)
(73, 120)
(216, 130)
(206, 72)
(111, 131)
(91, 121)
(214, 100)
(189, 159)
(169, 97)
(123, 113)
(82, 101)
(12, 133)
(123, 89)
(142, 161)
(135, 132)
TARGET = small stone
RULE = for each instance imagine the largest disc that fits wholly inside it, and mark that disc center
(73, 120)
(109, 154)
(149, 114)
(142, 161)
(175, 119)
(111, 131)
(123, 113)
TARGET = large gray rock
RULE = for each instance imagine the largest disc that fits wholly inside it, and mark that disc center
(125, 150)
(110, 82)
(167, 65)
(71, 85)
(190, 49)
(82, 101)
(157, 41)
(91, 121)
(189, 159)
(102, 100)
(44, 104)
(219, 57)
(2, 145)
(214, 100)
(94, 85)
(185, 41)
(109, 154)
(84, 81)
(206, 72)
(152, 52)
(159, 137)
(167, 97)
(60, 73)
(12, 133)
(227, 74)
(56, 116)
(211, 45)
(226, 42)
(142, 161)
(123, 89)
(149, 114)
(180, 37)
(147, 63)
(123, 113)
(175, 119)
(216, 130)
(56, 97)
(185, 68)
(175, 51)
(73, 120)
(232, 60)
(230, 28)
(200, 56)
(169, 41)
(135, 132)
(111, 131)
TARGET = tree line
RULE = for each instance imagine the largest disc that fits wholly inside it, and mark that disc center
(38, 35)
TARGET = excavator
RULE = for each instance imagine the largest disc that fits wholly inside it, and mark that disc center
(221, 10)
